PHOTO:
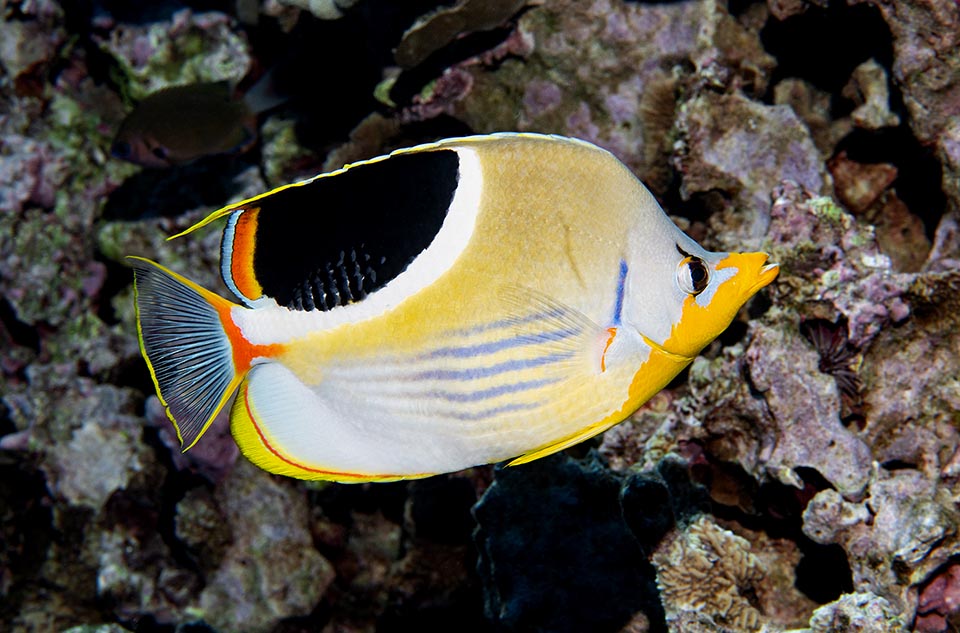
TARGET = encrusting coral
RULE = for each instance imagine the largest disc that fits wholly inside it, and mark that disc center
(706, 569)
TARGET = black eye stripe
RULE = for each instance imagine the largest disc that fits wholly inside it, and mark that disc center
(698, 274)
(696, 268)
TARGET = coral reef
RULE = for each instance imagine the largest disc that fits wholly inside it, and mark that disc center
(803, 474)
(857, 612)
(710, 571)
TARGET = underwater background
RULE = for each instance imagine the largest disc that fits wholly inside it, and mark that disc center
(804, 472)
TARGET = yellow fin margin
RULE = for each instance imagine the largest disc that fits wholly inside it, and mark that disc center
(476, 139)
(257, 447)
(186, 442)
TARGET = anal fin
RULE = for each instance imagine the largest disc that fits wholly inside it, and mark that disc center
(288, 428)
(567, 442)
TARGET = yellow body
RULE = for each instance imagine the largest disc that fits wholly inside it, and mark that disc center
(558, 317)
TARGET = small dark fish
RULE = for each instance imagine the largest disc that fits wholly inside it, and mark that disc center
(179, 124)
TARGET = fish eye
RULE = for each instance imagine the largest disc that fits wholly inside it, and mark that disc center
(121, 149)
(159, 152)
(692, 275)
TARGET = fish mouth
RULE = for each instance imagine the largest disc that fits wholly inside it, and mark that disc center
(751, 267)
(769, 272)
(765, 276)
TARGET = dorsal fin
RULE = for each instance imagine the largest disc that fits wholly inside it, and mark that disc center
(336, 238)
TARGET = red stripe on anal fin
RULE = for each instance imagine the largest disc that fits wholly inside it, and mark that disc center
(241, 256)
(320, 472)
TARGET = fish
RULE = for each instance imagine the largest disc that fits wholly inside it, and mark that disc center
(179, 124)
(484, 299)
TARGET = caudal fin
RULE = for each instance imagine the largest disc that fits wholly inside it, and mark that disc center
(183, 338)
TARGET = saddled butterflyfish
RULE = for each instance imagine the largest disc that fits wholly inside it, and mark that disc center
(458, 303)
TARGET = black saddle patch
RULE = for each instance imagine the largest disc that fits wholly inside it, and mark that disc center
(340, 238)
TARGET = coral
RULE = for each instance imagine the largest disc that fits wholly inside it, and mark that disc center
(29, 42)
(189, 47)
(903, 530)
(927, 69)
(893, 366)
(864, 190)
(785, 370)
(860, 612)
(745, 161)
(437, 29)
(812, 106)
(364, 565)
(900, 233)
(323, 9)
(135, 570)
(270, 570)
(103, 454)
(858, 185)
(620, 96)
(868, 87)
(284, 160)
(830, 258)
(939, 600)
(710, 571)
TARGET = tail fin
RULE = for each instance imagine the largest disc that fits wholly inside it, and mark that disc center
(184, 339)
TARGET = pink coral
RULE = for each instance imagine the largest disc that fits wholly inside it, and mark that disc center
(939, 599)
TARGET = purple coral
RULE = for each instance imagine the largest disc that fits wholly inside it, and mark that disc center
(939, 599)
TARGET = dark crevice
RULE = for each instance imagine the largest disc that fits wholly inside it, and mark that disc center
(152, 193)
(812, 479)
(698, 208)
(680, 379)
(739, 7)
(439, 127)
(817, 46)
(130, 372)
(6, 423)
(148, 624)
(823, 573)
(759, 305)
(439, 508)
(919, 173)
(19, 332)
(26, 530)
(897, 464)
(339, 502)
(118, 279)
(735, 332)
(176, 484)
